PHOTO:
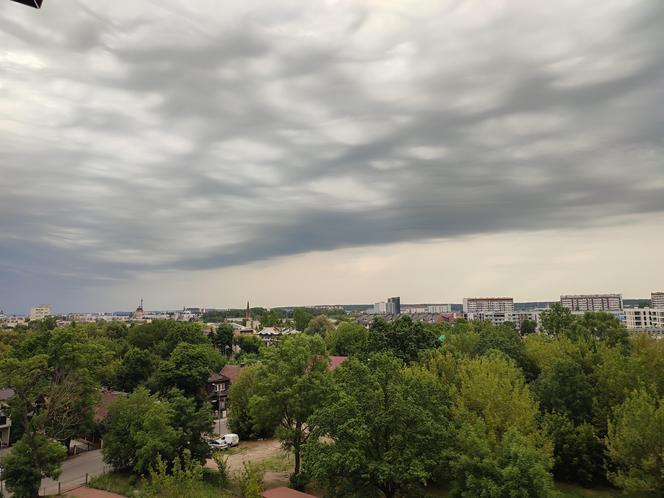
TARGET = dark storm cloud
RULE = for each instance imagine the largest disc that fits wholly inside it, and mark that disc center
(137, 139)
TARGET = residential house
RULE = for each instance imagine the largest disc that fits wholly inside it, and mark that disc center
(218, 386)
(5, 421)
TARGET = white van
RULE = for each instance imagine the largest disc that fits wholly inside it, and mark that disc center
(232, 439)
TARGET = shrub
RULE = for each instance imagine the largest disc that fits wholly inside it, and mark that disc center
(251, 481)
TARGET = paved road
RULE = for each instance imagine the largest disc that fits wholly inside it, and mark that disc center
(74, 471)
(221, 426)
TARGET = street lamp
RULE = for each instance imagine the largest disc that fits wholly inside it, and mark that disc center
(32, 3)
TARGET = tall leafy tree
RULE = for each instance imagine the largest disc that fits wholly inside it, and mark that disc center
(403, 337)
(139, 429)
(32, 458)
(557, 320)
(292, 383)
(320, 325)
(240, 419)
(348, 339)
(188, 369)
(376, 433)
(636, 444)
(500, 449)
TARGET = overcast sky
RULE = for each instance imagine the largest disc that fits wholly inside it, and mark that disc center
(300, 152)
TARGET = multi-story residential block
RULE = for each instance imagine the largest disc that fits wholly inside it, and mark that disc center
(416, 309)
(485, 304)
(592, 302)
(394, 306)
(657, 300)
(380, 308)
(40, 312)
(651, 319)
(501, 317)
(5, 421)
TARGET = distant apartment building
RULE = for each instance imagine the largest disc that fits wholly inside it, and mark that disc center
(394, 306)
(592, 302)
(40, 312)
(380, 308)
(657, 300)
(649, 319)
(416, 309)
(501, 317)
(486, 304)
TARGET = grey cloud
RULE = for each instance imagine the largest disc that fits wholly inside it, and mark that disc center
(141, 140)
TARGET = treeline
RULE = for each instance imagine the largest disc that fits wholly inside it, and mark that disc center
(57, 375)
(473, 407)
(478, 409)
(293, 317)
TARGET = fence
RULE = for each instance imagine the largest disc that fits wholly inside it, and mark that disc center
(50, 488)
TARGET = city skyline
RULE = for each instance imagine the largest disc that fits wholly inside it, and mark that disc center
(328, 153)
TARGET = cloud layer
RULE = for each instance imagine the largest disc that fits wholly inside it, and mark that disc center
(160, 136)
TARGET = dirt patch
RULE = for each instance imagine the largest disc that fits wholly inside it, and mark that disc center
(249, 451)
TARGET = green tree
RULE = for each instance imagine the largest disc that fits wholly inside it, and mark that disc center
(602, 327)
(223, 338)
(500, 450)
(376, 432)
(139, 429)
(301, 318)
(403, 337)
(527, 327)
(577, 449)
(506, 339)
(567, 388)
(513, 468)
(136, 368)
(348, 339)
(192, 422)
(240, 419)
(249, 344)
(635, 444)
(557, 319)
(292, 383)
(320, 325)
(188, 369)
(32, 458)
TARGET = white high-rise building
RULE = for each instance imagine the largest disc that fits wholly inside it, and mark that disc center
(592, 302)
(380, 308)
(657, 300)
(485, 304)
(40, 312)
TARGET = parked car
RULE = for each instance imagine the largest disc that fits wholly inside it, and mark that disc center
(218, 444)
(232, 439)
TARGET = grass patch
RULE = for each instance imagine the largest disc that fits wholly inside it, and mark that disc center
(121, 484)
(576, 491)
(284, 462)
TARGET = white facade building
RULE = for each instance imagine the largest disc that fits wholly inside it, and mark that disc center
(486, 304)
(657, 300)
(645, 319)
(5, 421)
(501, 317)
(40, 312)
(592, 302)
(380, 308)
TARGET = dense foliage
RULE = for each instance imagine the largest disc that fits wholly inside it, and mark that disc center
(483, 410)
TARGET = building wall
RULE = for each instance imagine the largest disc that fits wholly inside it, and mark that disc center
(657, 300)
(592, 302)
(486, 304)
(40, 312)
(644, 318)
